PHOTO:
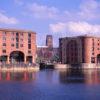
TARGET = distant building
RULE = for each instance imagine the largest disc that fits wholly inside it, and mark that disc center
(17, 46)
(80, 49)
(47, 53)
(49, 41)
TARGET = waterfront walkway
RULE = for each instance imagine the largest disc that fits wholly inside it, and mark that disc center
(19, 67)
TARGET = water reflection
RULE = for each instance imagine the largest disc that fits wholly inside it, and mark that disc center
(71, 76)
(16, 76)
(86, 76)
(92, 76)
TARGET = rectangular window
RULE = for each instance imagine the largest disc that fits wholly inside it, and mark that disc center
(4, 44)
(29, 34)
(92, 60)
(17, 39)
(4, 51)
(12, 45)
(17, 45)
(4, 33)
(29, 52)
(17, 34)
(29, 41)
(29, 46)
(4, 38)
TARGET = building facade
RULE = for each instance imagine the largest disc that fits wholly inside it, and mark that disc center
(80, 49)
(17, 46)
(47, 53)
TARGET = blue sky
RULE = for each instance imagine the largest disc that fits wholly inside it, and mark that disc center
(57, 17)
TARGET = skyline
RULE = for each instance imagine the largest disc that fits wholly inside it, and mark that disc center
(62, 18)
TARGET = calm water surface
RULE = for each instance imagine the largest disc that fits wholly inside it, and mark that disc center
(50, 85)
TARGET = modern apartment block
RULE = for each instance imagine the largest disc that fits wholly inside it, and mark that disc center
(17, 46)
(80, 49)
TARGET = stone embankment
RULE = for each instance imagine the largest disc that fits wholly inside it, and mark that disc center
(19, 69)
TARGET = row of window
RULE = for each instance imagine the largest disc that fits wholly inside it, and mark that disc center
(17, 34)
(4, 51)
(21, 45)
(17, 45)
(4, 39)
(4, 33)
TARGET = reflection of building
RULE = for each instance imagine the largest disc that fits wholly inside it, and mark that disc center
(19, 76)
(17, 45)
(80, 49)
(47, 53)
(92, 76)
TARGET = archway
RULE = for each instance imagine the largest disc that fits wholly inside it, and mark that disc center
(98, 58)
(16, 56)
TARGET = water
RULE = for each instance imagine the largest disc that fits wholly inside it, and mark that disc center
(50, 85)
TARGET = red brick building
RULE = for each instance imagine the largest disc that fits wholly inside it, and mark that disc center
(80, 49)
(17, 46)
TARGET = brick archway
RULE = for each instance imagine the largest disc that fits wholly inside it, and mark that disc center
(98, 58)
(16, 56)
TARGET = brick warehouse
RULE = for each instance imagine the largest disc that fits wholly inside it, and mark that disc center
(80, 49)
(17, 46)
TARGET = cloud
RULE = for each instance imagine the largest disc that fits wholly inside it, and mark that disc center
(87, 10)
(18, 2)
(75, 28)
(90, 9)
(7, 20)
(42, 11)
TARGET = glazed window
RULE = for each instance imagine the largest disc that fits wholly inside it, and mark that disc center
(4, 44)
(4, 38)
(12, 45)
(4, 51)
(17, 45)
(29, 34)
(29, 52)
(4, 33)
(29, 46)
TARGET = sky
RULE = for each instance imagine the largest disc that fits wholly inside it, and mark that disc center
(60, 18)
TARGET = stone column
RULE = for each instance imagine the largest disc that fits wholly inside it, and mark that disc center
(8, 60)
(33, 59)
(25, 59)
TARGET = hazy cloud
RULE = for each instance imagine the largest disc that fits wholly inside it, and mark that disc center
(7, 20)
(19, 2)
(42, 11)
(75, 28)
(90, 9)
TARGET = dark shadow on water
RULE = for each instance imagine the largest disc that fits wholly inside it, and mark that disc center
(71, 76)
(76, 74)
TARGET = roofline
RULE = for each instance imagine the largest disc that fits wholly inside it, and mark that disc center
(16, 30)
(85, 36)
